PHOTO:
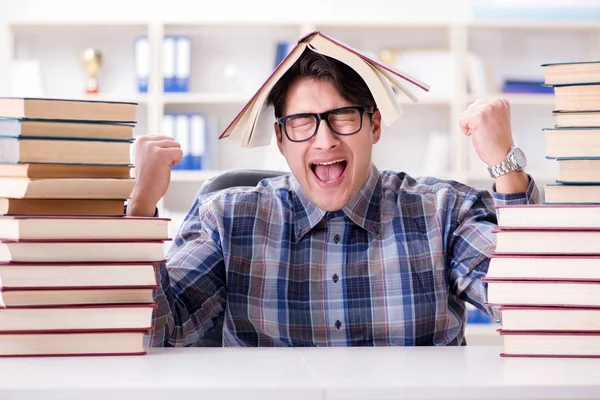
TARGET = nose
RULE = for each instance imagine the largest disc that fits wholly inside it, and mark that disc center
(325, 139)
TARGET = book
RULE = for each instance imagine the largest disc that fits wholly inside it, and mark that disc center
(512, 240)
(561, 193)
(525, 86)
(76, 296)
(572, 142)
(67, 109)
(81, 251)
(83, 227)
(59, 207)
(74, 275)
(382, 80)
(50, 170)
(548, 318)
(547, 240)
(543, 293)
(69, 129)
(551, 344)
(574, 119)
(571, 72)
(546, 267)
(577, 97)
(86, 317)
(87, 343)
(76, 188)
(549, 216)
(578, 170)
(65, 150)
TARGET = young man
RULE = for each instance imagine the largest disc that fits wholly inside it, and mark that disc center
(338, 253)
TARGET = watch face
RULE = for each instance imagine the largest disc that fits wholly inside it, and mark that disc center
(519, 157)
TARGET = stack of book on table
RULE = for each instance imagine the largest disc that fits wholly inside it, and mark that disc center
(545, 273)
(76, 275)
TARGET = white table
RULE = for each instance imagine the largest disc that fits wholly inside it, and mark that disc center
(310, 373)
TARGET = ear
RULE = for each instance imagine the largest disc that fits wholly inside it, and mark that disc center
(279, 136)
(376, 126)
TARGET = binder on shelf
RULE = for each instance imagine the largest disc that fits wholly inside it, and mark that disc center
(282, 50)
(182, 135)
(182, 63)
(169, 64)
(168, 125)
(197, 142)
(142, 63)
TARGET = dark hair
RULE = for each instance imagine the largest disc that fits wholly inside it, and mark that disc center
(344, 79)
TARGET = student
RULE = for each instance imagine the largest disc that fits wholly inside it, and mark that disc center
(336, 253)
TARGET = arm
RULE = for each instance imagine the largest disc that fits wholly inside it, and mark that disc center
(472, 241)
(191, 292)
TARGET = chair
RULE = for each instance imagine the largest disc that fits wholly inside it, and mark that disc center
(227, 179)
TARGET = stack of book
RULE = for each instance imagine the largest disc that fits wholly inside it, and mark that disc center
(76, 275)
(545, 273)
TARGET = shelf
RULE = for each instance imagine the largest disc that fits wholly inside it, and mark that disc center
(192, 176)
(533, 25)
(205, 98)
(520, 99)
(133, 98)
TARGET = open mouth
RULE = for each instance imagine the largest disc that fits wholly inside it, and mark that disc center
(329, 171)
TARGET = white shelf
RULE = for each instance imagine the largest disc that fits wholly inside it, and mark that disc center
(192, 176)
(533, 25)
(520, 99)
(205, 98)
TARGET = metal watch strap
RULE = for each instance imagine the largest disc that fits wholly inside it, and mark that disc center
(502, 168)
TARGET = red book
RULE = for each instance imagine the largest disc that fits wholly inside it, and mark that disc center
(76, 296)
(550, 318)
(544, 267)
(67, 318)
(80, 343)
(83, 250)
(550, 292)
(549, 216)
(516, 240)
(74, 275)
(551, 344)
(29, 227)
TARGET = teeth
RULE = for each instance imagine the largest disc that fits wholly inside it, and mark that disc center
(330, 162)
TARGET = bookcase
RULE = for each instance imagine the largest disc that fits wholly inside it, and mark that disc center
(229, 61)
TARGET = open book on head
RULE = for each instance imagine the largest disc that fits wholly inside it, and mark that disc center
(384, 82)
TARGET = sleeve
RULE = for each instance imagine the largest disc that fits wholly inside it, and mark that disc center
(191, 289)
(472, 241)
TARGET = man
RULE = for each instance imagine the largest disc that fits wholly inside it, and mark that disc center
(338, 253)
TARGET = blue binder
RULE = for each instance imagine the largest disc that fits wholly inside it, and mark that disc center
(142, 63)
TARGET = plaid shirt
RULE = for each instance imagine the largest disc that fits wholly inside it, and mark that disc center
(394, 267)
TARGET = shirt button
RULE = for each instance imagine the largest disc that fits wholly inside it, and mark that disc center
(336, 239)
(335, 278)
(338, 324)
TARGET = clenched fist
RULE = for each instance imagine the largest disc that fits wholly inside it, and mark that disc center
(154, 156)
(488, 124)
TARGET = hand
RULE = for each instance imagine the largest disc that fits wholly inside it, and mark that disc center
(154, 157)
(488, 124)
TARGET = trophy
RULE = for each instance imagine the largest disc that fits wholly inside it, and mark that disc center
(92, 62)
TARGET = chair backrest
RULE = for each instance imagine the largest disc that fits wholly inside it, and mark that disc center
(227, 179)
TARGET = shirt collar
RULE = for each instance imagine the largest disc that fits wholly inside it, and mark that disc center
(364, 209)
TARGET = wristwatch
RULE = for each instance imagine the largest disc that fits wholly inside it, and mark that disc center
(514, 161)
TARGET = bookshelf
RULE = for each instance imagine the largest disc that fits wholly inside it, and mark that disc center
(229, 60)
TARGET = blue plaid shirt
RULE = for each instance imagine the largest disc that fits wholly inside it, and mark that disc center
(394, 267)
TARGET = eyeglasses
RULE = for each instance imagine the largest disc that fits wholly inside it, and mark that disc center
(343, 121)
